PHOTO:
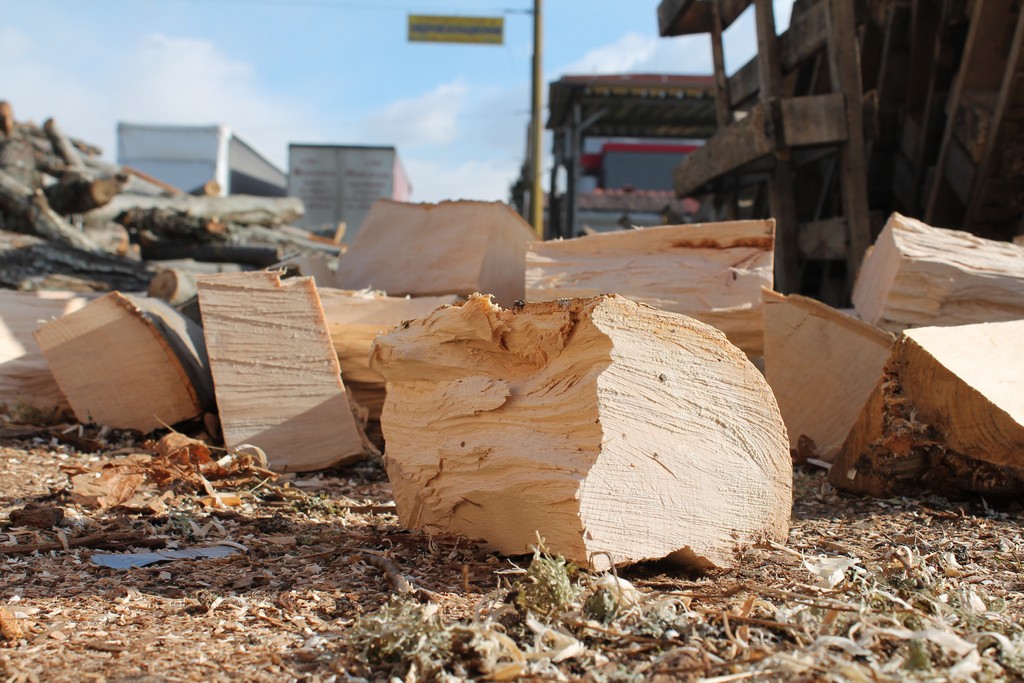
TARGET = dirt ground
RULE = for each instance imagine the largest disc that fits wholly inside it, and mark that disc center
(329, 587)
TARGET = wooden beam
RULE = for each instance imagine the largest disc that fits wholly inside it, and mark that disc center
(685, 17)
(590, 423)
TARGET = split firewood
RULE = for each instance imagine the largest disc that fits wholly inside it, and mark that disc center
(128, 362)
(822, 366)
(713, 272)
(439, 249)
(947, 415)
(34, 214)
(25, 377)
(917, 275)
(30, 263)
(276, 374)
(614, 431)
(354, 319)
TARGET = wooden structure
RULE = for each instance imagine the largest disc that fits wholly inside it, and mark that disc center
(615, 431)
(861, 108)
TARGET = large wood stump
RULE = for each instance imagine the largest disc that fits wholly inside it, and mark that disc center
(712, 271)
(917, 275)
(822, 365)
(947, 416)
(439, 249)
(276, 375)
(128, 362)
(615, 431)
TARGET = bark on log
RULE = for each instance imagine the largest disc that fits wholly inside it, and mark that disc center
(354, 319)
(29, 263)
(615, 431)
(439, 249)
(713, 272)
(261, 257)
(234, 209)
(6, 117)
(81, 193)
(129, 363)
(25, 377)
(822, 365)
(947, 416)
(62, 145)
(174, 225)
(277, 377)
(917, 275)
(31, 208)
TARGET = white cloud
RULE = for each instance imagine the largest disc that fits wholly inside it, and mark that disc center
(434, 180)
(13, 43)
(430, 119)
(637, 53)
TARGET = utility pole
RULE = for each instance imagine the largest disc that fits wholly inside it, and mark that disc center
(537, 126)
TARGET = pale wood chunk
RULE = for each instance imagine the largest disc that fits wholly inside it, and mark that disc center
(712, 271)
(917, 275)
(822, 365)
(25, 377)
(128, 362)
(458, 247)
(276, 375)
(947, 416)
(615, 431)
(354, 319)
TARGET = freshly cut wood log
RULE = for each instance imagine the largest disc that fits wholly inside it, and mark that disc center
(822, 365)
(128, 362)
(439, 249)
(25, 377)
(354, 319)
(173, 286)
(234, 209)
(615, 431)
(917, 275)
(947, 415)
(276, 375)
(712, 271)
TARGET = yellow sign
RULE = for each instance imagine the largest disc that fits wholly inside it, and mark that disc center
(431, 29)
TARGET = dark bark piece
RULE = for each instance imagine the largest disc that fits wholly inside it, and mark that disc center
(260, 257)
(29, 263)
(173, 224)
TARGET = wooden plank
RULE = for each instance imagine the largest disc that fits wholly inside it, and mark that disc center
(276, 374)
(588, 422)
(712, 271)
(917, 275)
(685, 17)
(354, 319)
(128, 362)
(25, 377)
(822, 366)
(733, 147)
(814, 120)
(439, 249)
(947, 416)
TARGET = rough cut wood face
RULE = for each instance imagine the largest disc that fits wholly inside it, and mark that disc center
(25, 377)
(615, 431)
(948, 415)
(117, 367)
(822, 365)
(713, 272)
(917, 275)
(354, 318)
(458, 247)
(276, 375)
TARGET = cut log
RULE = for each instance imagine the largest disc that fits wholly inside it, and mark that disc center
(947, 416)
(29, 263)
(25, 377)
(173, 286)
(78, 194)
(62, 145)
(6, 117)
(439, 249)
(261, 257)
(615, 431)
(713, 272)
(276, 374)
(173, 224)
(354, 319)
(129, 363)
(31, 208)
(822, 366)
(234, 209)
(917, 275)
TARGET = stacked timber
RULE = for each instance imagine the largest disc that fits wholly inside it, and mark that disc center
(713, 272)
(615, 431)
(917, 275)
(275, 371)
(947, 415)
(128, 362)
(459, 247)
(822, 365)
(354, 319)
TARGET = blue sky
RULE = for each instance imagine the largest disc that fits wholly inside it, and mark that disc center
(333, 71)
